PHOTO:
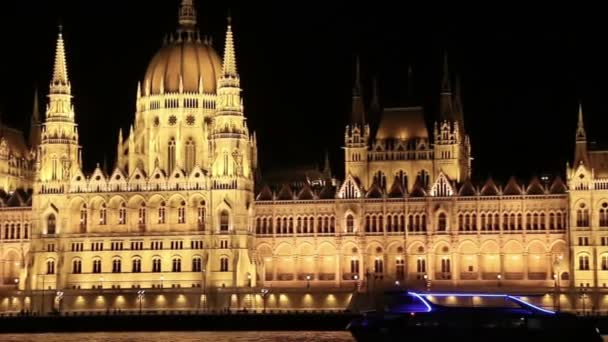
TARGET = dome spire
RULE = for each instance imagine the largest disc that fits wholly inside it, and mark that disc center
(229, 68)
(581, 135)
(60, 83)
(187, 16)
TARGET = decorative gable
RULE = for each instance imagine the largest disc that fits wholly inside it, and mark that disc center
(396, 190)
(285, 194)
(535, 187)
(137, 181)
(178, 180)
(118, 181)
(467, 189)
(306, 193)
(350, 188)
(158, 180)
(98, 181)
(374, 191)
(197, 178)
(558, 186)
(490, 188)
(265, 194)
(78, 182)
(442, 186)
(512, 188)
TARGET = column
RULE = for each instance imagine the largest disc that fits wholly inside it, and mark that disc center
(525, 266)
(501, 266)
(296, 271)
(315, 263)
(338, 275)
(455, 268)
(274, 267)
(479, 266)
(549, 267)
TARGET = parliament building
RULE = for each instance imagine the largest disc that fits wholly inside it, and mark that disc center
(183, 221)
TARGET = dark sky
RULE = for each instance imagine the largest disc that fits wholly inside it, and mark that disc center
(522, 77)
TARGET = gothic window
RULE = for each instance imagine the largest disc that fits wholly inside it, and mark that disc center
(559, 219)
(26, 229)
(162, 213)
(76, 266)
(368, 226)
(190, 154)
(54, 167)
(496, 221)
(482, 217)
(224, 221)
(181, 213)
(350, 224)
(605, 262)
(421, 265)
(122, 214)
(542, 221)
(196, 264)
(136, 265)
(156, 265)
(177, 265)
(582, 216)
(201, 212)
(604, 215)
(467, 222)
(445, 265)
(423, 222)
(97, 266)
(332, 224)
(103, 214)
(83, 218)
(551, 221)
(142, 215)
(378, 265)
(442, 222)
(583, 262)
(519, 221)
(354, 266)
(401, 223)
(223, 264)
(225, 163)
(116, 266)
(50, 267)
(528, 221)
(51, 224)
(400, 269)
(171, 155)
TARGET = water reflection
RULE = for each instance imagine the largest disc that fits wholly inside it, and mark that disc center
(240, 336)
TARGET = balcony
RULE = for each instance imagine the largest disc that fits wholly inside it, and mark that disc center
(302, 276)
(514, 275)
(327, 276)
(349, 276)
(443, 276)
(489, 275)
(537, 275)
(285, 276)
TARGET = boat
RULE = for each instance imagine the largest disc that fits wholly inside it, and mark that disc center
(426, 316)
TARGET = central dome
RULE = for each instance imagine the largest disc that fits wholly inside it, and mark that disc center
(190, 60)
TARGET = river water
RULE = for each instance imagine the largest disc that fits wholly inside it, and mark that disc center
(237, 336)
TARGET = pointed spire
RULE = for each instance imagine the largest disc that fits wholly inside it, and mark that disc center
(375, 103)
(187, 16)
(357, 109)
(326, 166)
(138, 89)
(60, 82)
(445, 81)
(120, 140)
(229, 67)
(35, 122)
(581, 135)
(446, 110)
(458, 109)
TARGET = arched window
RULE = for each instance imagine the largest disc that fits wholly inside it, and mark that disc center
(136, 265)
(97, 266)
(519, 221)
(583, 262)
(177, 265)
(54, 167)
(103, 214)
(162, 213)
(171, 155)
(559, 220)
(378, 265)
(582, 216)
(421, 265)
(141, 218)
(604, 215)
(156, 265)
(442, 222)
(202, 212)
(423, 178)
(122, 213)
(77, 266)
(26, 231)
(50, 267)
(190, 154)
(196, 264)
(445, 265)
(542, 223)
(181, 213)
(224, 221)
(605, 262)
(551, 221)
(528, 221)
(51, 224)
(350, 224)
(116, 265)
(223, 264)
(83, 218)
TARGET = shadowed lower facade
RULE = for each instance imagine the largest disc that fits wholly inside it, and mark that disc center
(184, 220)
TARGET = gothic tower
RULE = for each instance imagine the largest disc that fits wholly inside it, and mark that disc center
(452, 148)
(356, 137)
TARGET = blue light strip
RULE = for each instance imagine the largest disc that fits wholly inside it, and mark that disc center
(428, 306)
(521, 301)
(462, 294)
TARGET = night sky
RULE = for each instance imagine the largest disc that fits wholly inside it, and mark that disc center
(522, 79)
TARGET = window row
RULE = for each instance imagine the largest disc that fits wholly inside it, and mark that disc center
(16, 231)
(136, 245)
(136, 265)
(301, 225)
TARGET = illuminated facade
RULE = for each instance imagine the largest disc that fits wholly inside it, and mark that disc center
(181, 211)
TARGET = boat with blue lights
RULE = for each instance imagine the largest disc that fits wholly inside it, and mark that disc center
(409, 316)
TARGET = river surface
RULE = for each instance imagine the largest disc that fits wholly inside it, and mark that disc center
(237, 336)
